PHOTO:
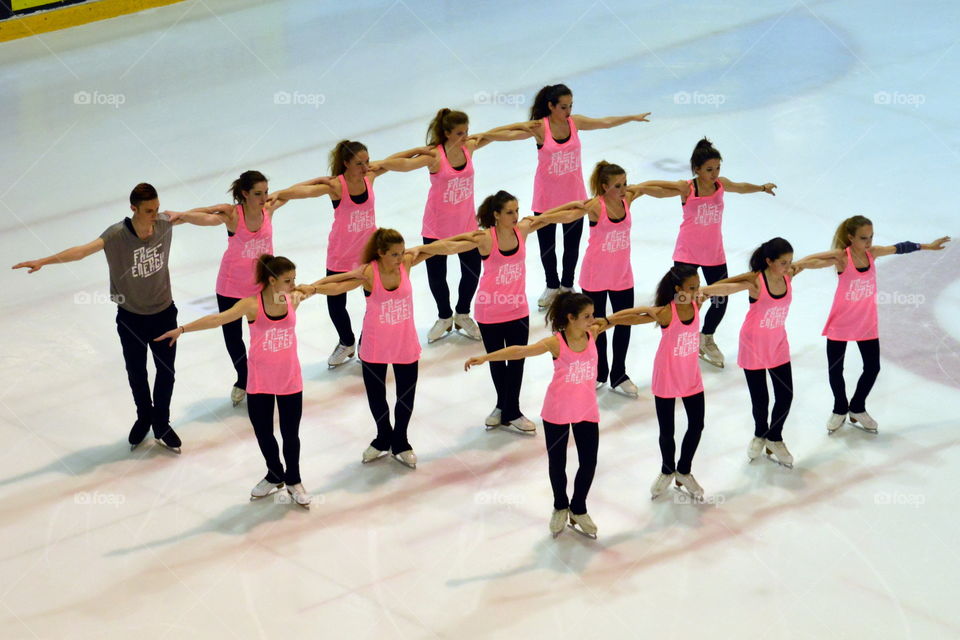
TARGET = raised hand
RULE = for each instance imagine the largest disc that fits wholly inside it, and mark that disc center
(33, 265)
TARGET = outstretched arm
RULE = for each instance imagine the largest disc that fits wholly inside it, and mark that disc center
(584, 123)
(664, 188)
(518, 352)
(480, 140)
(67, 255)
(449, 246)
(636, 315)
(245, 307)
(199, 217)
(404, 163)
(321, 187)
(746, 187)
(909, 247)
(568, 212)
(517, 130)
(333, 285)
(724, 289)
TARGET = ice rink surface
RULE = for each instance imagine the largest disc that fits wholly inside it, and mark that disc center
(849, 107)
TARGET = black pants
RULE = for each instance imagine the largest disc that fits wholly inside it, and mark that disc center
(718, 304)
(547, 237)
(469, 279)
(290, 408)
(375, 380)
(233, 338)
(587, 438)
(337, 307)
(621, 335)
(782, 379)
(870, 353)
(507, 376)
(694, 406)
(136, 336)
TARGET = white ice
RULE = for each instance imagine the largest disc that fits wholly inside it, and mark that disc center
(850, 107)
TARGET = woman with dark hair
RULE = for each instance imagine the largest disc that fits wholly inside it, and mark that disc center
(354, 220)
(449, 211)
(249, 222)
(853, 315)
(570, 403)
(559, 176)
(700, 240)
(501, 307)
(274, 368)
(389, 336)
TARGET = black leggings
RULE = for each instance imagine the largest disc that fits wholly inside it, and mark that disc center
(870, 353)
(233, 338)
(469, 279)
(290, 408)
(507, 376)
(587, 437)
(694, 406)
(136, 338)
(718, 304)
(337, 307)
(547, 236)
(621, 335)
(375, 380)
(782, 379)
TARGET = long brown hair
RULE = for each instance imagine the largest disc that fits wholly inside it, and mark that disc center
(245, 183)
(345, 150)
(847, 228)
(601, 175)
(379, 243)
(275, 266)
(443, 122)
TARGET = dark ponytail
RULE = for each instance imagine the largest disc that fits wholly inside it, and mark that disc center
(271, 266)
(344, 151)
(444, 121)
(602, 174)
(548, 95)
(245, 183)
(492, 205)
(770, 250)
(675, 277)
(701, 153)
(566, 303)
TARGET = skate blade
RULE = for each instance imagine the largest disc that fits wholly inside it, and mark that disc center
(857, 425)
(373, 459)
(515, 430)
(467, 335)
(163, 444)
(409, 466)
(777, 462)
(711, 362)
(686, 492)
(583, 533)
(275, 490)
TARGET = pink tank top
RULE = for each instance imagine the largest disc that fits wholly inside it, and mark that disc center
(853, 315)
(559, 177)
(353, 224)
(237, 276)
(606, 264)
(676, 369)
(389, 334)
(502, 293)
(272, 360)
(763, 336)
(449, 210)
(700, 240)
(572, 394)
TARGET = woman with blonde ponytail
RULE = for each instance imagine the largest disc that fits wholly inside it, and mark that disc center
(449, 211)
(853, 315)
(350, 189)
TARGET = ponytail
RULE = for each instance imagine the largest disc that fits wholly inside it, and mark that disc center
(271, 266)
(675, 277)
(701, 153)
(770, 250)
(492, 205)
(379, 243)
(443, 123)
(245, 182)
(566, 303)
(602, 174)
(847, 228)
(344, 151)
(548, 95)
